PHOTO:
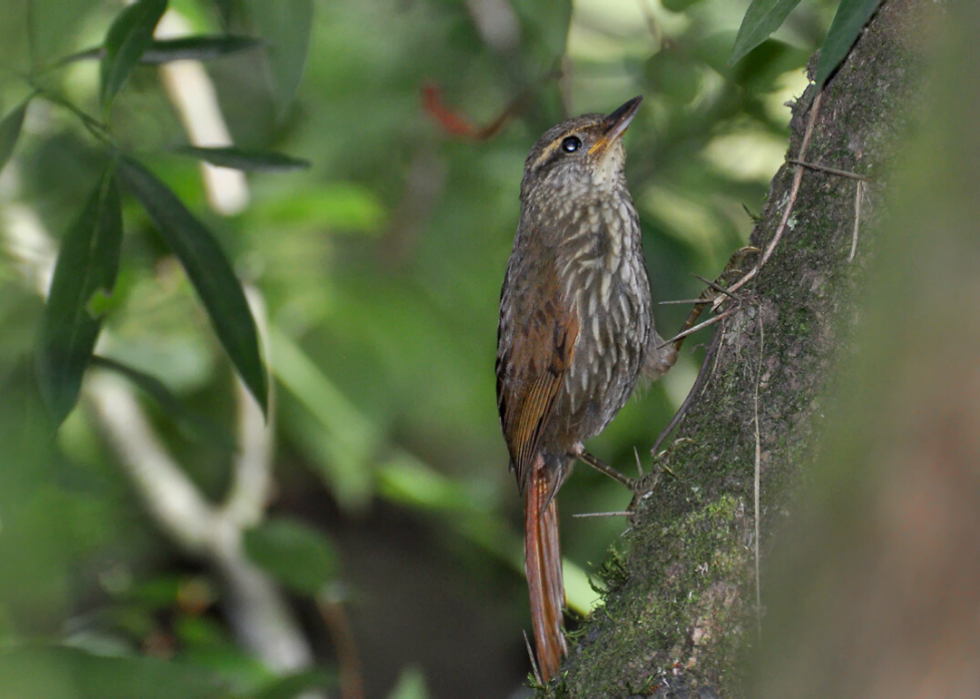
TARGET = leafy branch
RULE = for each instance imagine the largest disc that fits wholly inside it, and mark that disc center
(87, 267)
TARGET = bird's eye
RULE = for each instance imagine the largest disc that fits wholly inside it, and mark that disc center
(571, 144)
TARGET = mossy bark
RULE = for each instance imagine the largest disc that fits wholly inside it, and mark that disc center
(681, 612)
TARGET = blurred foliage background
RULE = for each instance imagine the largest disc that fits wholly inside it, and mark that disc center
(393, 525)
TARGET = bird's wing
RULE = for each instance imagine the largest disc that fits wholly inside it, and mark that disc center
(535, 345)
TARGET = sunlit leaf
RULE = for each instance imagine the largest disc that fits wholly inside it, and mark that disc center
(130, 35)
(57, 672)
(761, 19)
(343, 206)
(10, 132)
(195, 427)
(850, 19)
(209, 271)
(415, 484)
(242, 159)
(298, 556)
(87, 264)
(286, 25)
(410, 685)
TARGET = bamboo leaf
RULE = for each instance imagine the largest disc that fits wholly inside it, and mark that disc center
(87, 265)
(761, 19)
(209, 271)
(10, 132)
(242, 159)
(844, 30)
(198, 48)
(192, 425)
(130, 35)
(286, 25)
(193, 48)
(677, 5)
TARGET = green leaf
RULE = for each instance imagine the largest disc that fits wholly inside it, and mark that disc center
(209, 272)
(193, 48)
(54, 26)
(544, 30)
(761, 19)
(198, 48)
(57, 672)
(342, 206)
(293, 686)
(674, 75)
(130, 35)
(241, 159)
(298, 556)
(338, 437)
(850, 19)
(760, 71)
(410, 685)
(10, 131)
(87, 265)
(286, 25)
(194, 426)
(677, 5)
(406, 480)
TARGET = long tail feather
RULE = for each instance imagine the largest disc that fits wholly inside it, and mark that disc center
(542, 563)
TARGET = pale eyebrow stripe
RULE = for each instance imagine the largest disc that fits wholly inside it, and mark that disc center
(548, 151)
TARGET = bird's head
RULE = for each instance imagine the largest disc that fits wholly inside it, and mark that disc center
(579, 158)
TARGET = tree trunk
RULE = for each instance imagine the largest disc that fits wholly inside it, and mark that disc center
(681, 614)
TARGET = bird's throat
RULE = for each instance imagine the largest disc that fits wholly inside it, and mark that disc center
(608, 171)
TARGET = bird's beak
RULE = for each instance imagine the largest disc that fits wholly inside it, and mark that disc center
(616, 125)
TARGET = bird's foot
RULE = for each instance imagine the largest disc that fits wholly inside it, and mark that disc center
(602, 467)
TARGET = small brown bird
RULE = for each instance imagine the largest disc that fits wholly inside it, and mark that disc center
(575, 333)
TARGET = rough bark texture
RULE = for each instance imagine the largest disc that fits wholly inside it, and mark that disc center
(681, 611)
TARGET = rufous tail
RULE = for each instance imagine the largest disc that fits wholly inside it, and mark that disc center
(542, 563)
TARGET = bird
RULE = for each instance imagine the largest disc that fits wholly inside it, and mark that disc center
(575, 334)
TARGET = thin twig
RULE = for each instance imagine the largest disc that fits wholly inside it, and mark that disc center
(699, 326)
(793, 193)
(758, 479)
(599, 465)
(858, 196)
(680, 302)
(716, 286)
(639, 465)
(580, 515)
(534, 661)
(93, 125)
(831, 170)
(351, 677)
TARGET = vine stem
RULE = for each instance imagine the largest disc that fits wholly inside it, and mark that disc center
(793, 193)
